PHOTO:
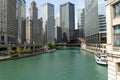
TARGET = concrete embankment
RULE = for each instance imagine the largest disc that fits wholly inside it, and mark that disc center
(52, 50)
(89, 51)
(24, 55)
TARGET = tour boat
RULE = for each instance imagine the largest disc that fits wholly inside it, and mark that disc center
(101, 58)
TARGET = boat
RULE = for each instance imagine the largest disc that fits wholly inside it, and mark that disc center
(101, 58)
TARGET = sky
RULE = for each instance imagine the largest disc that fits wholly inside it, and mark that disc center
(57, 3)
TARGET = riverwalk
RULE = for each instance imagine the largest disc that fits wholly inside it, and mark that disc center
(4, 58)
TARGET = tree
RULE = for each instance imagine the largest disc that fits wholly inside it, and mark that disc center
(24, 50)
(52, 45)
(28, 50)
(11, 52)
(18, 50)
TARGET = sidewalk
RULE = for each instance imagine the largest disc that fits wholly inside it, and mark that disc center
(6, 57)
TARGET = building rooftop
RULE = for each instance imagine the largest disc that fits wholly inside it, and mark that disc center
(67, 3)
(47, 4)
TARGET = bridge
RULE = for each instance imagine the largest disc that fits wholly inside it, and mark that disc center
(70, 44)
(76, 42)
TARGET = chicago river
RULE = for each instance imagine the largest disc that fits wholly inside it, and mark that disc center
(63, 64)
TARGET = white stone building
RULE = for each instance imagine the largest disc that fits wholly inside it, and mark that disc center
(113, 38)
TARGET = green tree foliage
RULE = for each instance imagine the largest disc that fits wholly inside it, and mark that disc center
(52, 45)
(24, 50)
(11, 52)
(28, 50)
(18, 50)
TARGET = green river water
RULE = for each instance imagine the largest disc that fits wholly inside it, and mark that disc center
(63, 64)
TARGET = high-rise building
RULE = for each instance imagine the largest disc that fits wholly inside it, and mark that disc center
(95, 25)
(58, 30)
(67, 21)
(48, 22)
(40, 23)
(57, 21)
(58, 33)
(113, 38)
(8, 24)
(33, 26)
(33, 11)
(29, 31)
(81, 22)
(21, 16)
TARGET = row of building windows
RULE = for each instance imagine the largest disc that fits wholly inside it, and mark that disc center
(117, 36)
(117, 28)
(117, 9)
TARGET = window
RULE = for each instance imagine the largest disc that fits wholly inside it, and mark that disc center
(118, 67)
(117, 9)
(117, 36)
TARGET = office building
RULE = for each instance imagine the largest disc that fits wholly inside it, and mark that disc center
(21, 16)
(58, 34)
(113, 38)
(95, 25)
(28, 31)
(33, 26)
(67, 21)
(81, 22)
(8, 24)
(40, 23)
(47, 12)
(58, 31)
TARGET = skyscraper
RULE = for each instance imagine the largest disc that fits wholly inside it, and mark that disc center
(81, 22)
(8, 25)
(67, 21)
(58, 30)
(95, 25)
(48, 22)
(33, 11)
(21, 16)
(33, 26)
(29, 31)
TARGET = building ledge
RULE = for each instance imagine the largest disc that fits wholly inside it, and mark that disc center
(114, 55)
(118, 73)
(116, 49)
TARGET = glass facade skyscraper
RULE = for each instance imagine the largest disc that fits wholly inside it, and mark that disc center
(21, 18)
(47, 11)
(67, 21)
(81, 22)
(95, 24)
